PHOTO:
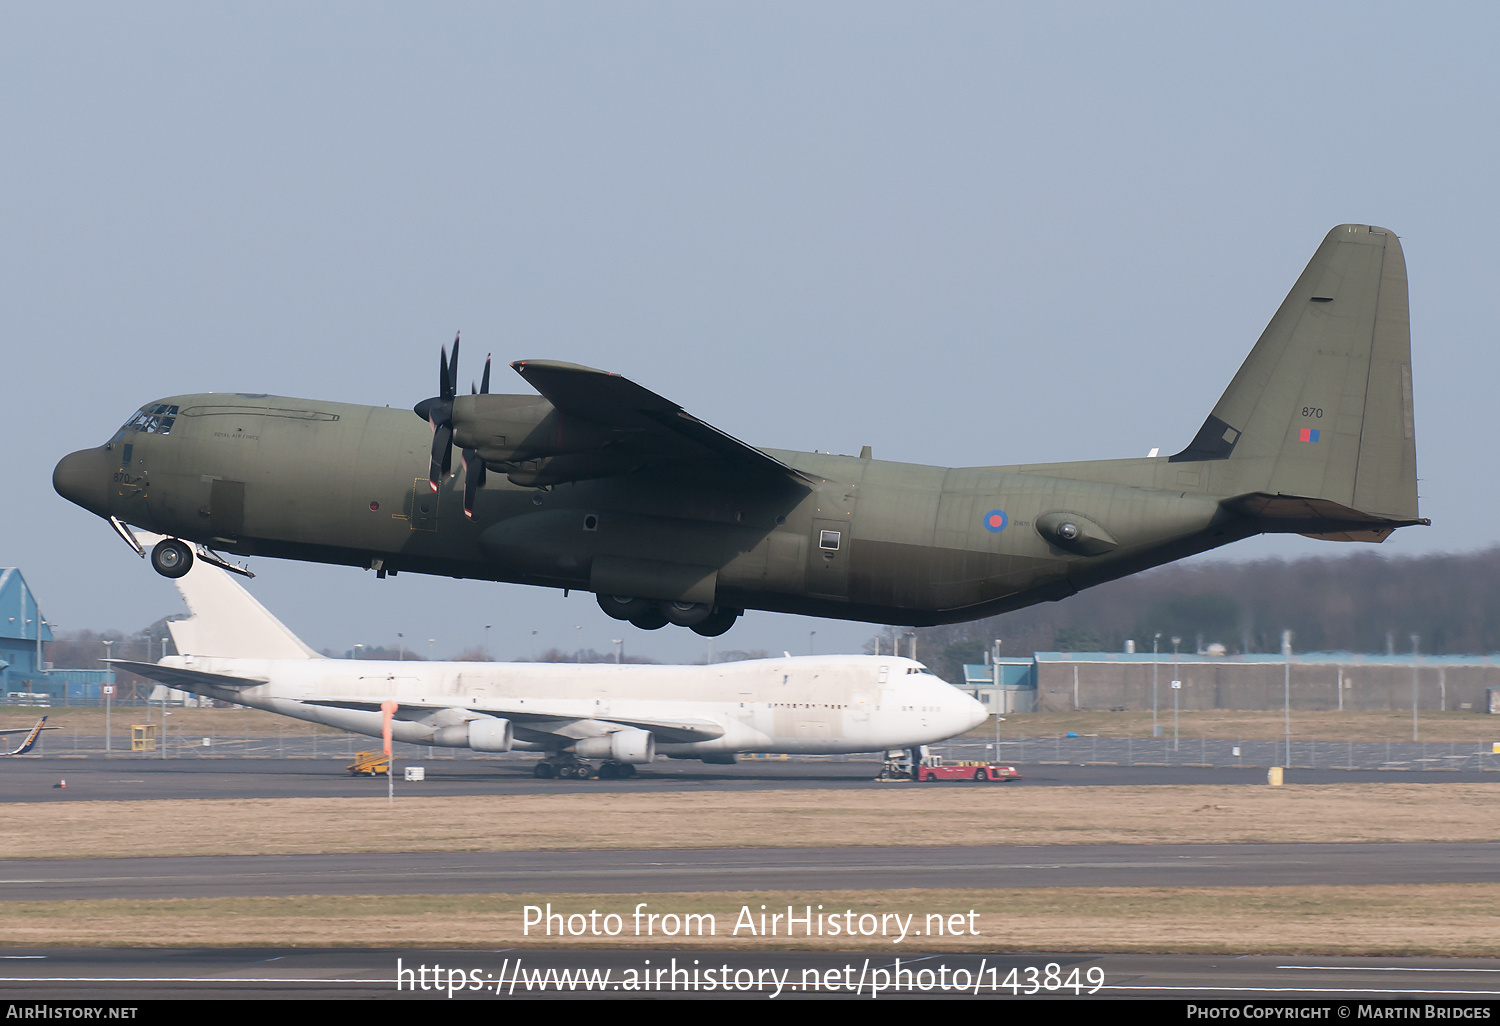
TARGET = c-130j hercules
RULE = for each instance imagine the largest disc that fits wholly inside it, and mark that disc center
(601, 485)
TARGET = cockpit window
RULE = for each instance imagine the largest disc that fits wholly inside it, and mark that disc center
(156, 420)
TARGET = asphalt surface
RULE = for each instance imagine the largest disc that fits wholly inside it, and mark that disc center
(1259, 982)
(648, 871)
(1228, 753)
(46, 974)
(30, 779)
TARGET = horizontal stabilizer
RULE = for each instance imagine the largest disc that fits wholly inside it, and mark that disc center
(1311, 515)
(186, 680)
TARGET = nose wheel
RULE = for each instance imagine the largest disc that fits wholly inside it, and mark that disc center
(171, 558)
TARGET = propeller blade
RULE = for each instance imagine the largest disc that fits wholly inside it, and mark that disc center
(473, 479)
(445, 383)
(484, 382)
(442, 453)
(453, 368)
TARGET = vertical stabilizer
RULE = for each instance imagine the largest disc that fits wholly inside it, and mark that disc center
(1322, 407)
(228, 622)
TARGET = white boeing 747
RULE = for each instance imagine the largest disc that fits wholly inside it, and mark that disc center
(587, 719)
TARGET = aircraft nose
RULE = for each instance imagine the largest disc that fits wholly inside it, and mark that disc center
(83, 479)
(974, 713)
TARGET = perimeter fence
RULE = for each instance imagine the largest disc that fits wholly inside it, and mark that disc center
(1057, 749)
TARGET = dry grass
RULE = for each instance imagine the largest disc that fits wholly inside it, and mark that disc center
(899, 813)
(1463, 728)
(224, 723)
(1448, 920)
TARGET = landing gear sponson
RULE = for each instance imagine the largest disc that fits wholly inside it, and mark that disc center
(650, 614)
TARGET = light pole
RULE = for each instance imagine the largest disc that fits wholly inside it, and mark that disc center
(487, 644)
(619, 644)
(109, 693)
(401, 644)
(1415, 644)
(1176, 690)
(995, 698)
(429, 648)
(1286, 658)
(533, 646)
(1155, 640)
(810, 636)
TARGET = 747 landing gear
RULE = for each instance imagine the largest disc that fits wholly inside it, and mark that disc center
(171, 558)
(571, 770)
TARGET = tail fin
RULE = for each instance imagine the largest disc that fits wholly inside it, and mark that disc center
(1321, 410)
(228, 622)
(31, 735)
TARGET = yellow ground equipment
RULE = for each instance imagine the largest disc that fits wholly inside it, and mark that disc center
(370, 764)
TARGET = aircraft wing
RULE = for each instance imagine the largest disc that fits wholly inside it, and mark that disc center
(672, 731)
(661, 426)
(535, 720)
(187, 680)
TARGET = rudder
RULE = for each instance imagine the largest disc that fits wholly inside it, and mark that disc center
(1321, 409)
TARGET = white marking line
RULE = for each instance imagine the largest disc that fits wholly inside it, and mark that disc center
(1300, 990)
(1385, 969)
(185, 979)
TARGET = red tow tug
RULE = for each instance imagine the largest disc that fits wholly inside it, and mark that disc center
(916, 764)
(933, 768)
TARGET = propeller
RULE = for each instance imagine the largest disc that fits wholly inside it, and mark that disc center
(438, 412)
(473, 465)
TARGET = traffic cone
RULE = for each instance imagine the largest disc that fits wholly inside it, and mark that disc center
(61, 783)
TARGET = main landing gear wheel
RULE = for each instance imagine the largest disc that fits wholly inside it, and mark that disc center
(544, 771)
(651, 620)
(171, 558)
(623, 607)
(718, 622)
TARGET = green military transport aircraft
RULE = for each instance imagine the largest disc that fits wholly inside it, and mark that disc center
(601, 485)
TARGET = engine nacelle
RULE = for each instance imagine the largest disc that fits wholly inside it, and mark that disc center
(632, 745)
(483, 735)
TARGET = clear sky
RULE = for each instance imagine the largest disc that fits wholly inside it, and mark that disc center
(958, 233)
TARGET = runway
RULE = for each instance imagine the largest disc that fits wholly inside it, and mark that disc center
(648, 871)
(127, 778)
(81, 975)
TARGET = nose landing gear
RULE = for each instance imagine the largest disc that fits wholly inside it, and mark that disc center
(171, 558)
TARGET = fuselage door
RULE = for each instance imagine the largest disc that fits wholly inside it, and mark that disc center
(828, 559)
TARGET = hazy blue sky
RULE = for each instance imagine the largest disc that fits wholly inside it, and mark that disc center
(959, 233)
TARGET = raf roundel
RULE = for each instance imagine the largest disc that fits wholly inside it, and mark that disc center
(995, 521)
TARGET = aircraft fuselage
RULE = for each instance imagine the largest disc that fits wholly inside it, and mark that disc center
(810, 705)
(866, 540)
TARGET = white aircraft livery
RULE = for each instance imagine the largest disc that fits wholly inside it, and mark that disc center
(586, 718)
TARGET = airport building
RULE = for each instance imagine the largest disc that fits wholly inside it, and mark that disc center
(1119, 681)
(23, 632)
